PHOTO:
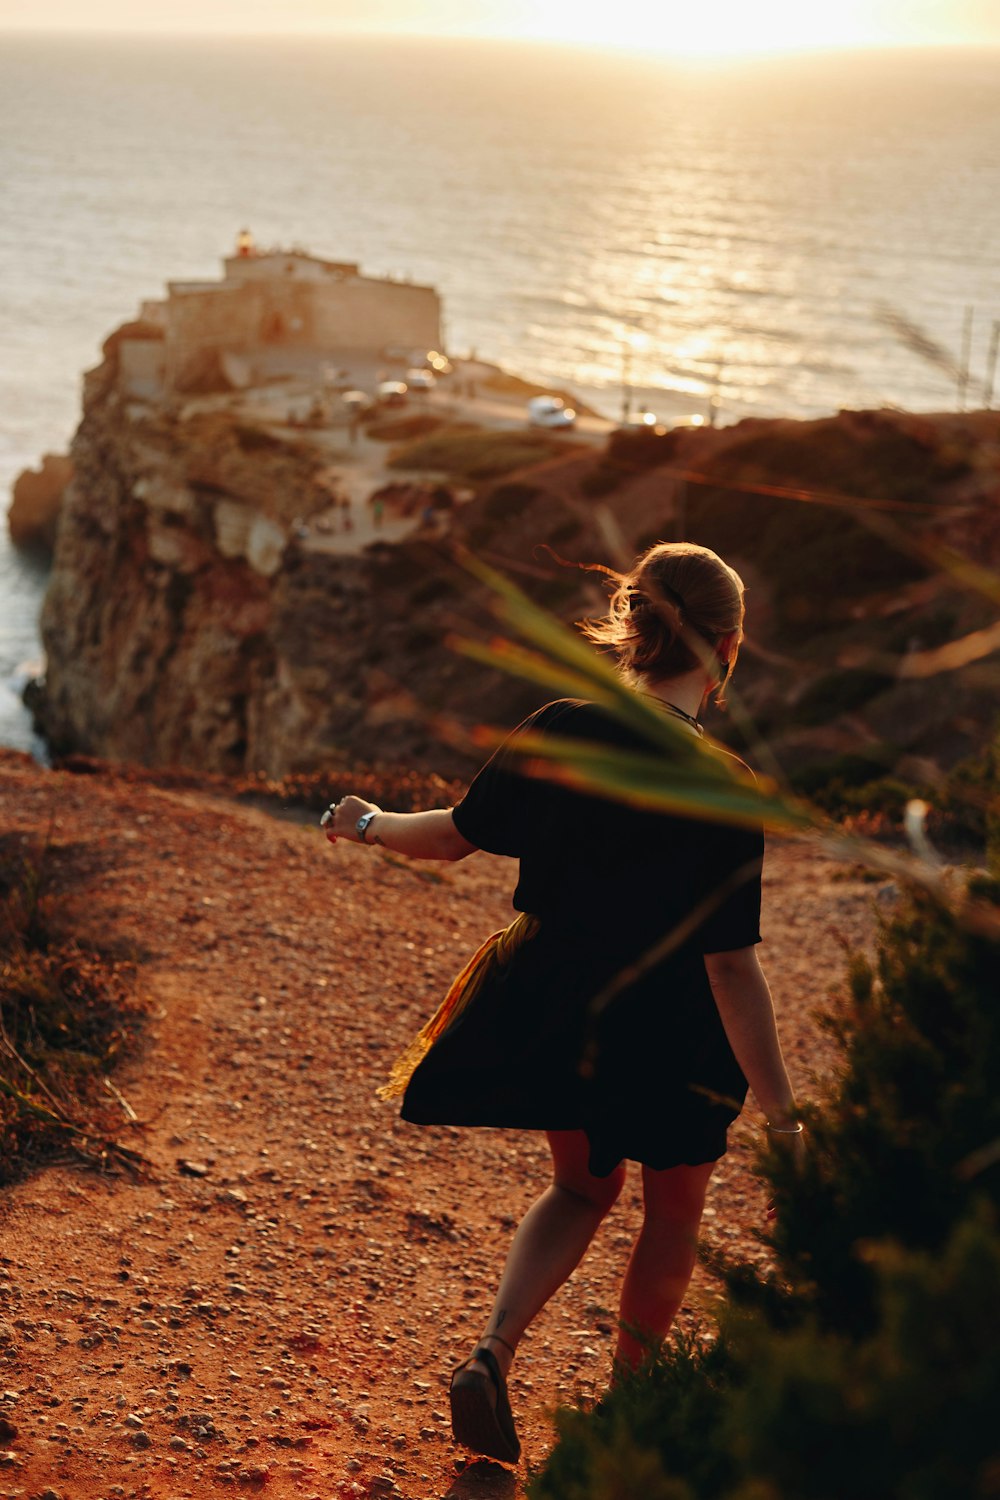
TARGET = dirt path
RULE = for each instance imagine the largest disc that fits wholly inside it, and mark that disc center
(278, 1308)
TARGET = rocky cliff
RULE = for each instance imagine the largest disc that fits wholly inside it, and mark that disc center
(36, 501)
(190, 622)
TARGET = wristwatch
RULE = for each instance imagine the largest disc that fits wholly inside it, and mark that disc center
(361, 826)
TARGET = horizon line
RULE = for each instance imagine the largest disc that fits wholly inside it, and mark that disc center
(813, 49)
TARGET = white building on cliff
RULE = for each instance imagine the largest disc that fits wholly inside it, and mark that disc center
(272, 304)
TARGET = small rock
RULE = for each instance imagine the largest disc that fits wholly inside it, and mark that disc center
(8, 1432)
(192, 1168)
(141, 1440)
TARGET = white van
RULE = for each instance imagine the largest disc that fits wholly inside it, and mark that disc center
(550, 411)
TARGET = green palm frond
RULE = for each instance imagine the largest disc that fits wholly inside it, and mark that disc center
(705, 788)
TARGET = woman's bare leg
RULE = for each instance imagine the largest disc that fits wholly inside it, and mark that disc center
(550, 1241)
(663, 1256)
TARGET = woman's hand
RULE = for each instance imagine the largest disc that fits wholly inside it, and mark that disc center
(341, 818)
(791, 1145)
(419, 835)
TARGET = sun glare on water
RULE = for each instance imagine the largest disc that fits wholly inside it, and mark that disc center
(705, 28)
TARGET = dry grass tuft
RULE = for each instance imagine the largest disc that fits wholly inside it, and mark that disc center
(67, 1012)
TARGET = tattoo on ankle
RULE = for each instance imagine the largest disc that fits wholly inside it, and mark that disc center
(500, 1317)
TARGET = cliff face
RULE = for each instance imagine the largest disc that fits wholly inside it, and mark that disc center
(188, 622)
(158, 614)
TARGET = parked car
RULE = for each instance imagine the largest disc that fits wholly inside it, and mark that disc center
(356, 401)
(392, 392)
(420, 380)
(550, 411)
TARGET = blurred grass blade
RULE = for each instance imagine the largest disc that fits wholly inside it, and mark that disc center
(529, 665)
(534, 667)
(705, 789)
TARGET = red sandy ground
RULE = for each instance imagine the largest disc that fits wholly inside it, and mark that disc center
(285, 1323)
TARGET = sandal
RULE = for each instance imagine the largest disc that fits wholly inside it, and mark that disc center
(481, 1418)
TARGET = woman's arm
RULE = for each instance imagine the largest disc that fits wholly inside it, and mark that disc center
(426, 835)
(744, 1003)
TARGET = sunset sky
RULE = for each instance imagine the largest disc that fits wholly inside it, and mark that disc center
(685, 27)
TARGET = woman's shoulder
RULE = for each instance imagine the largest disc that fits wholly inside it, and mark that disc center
(561, 711)
(576, 719)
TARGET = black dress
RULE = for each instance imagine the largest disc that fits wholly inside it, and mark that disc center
(562, 1038)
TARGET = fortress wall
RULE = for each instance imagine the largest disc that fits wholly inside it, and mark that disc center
(368, 314)
(287, 314)
(211, 319)
(356, 313)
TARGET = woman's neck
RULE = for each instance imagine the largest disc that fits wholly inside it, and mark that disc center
(685, 693)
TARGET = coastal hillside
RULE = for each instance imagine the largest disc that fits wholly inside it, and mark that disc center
(870, 648)
(198, 615)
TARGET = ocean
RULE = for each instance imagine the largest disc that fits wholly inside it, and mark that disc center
(738, 229)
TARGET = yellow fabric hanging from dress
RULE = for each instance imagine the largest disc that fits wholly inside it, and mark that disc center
(496, 952)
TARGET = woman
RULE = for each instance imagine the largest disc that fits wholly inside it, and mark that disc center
(559, 1025)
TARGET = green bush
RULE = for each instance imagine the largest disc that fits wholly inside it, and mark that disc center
(868, 1367)
(654, 1427)
(907, 1412)
(970, 799)
(836, 693)
(827, 782)
(916, 1099)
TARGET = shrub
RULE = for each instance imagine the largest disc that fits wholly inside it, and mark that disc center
(648, 1431)
(826, 782)
(868, 1367)
(837, 693)
(916, 1099)
(67, 1014)
(905, 1413)
(603, 479)
(632, 450)
(404, 429)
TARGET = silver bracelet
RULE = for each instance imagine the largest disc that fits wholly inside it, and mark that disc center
(795, 1129)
